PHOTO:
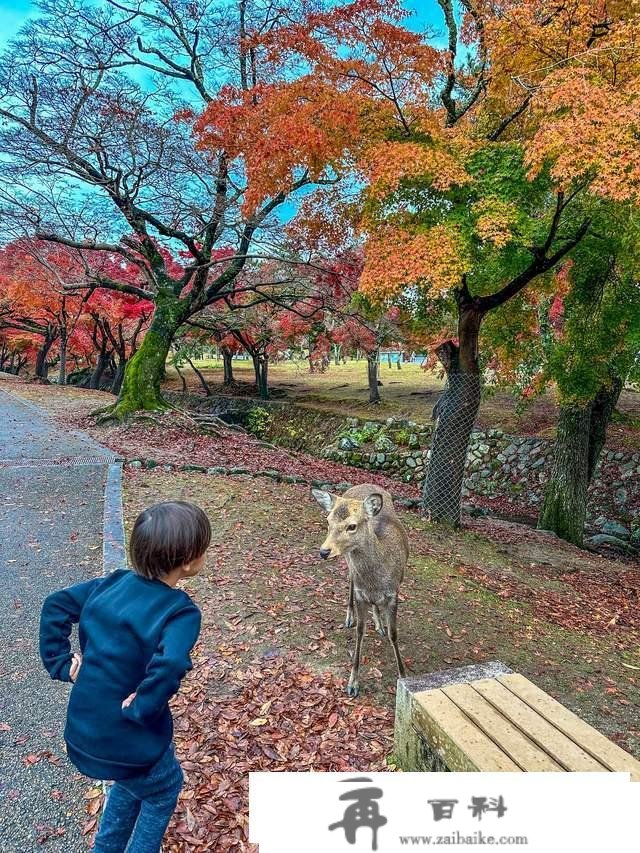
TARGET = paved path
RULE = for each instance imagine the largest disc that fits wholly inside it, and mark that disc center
(51, 535)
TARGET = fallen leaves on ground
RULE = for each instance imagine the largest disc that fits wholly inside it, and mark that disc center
(168, 444)
(598, 603)
(275, 714)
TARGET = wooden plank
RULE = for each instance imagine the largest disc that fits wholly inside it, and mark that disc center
(561, 748)
(526, 754)
(609, 754)
(459, 742)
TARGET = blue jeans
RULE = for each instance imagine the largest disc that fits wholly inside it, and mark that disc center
(138, 810)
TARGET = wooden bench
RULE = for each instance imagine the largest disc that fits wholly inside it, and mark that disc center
(488, 718)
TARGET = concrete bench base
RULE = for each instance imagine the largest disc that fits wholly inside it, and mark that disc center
(488, 718)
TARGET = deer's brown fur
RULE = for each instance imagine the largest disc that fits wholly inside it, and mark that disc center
(365, 530)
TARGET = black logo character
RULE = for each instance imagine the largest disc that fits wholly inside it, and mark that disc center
(363, 812)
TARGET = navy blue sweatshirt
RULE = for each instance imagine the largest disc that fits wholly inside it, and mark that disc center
(135, 637)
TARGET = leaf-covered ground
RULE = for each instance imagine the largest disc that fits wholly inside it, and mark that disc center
(270, 669)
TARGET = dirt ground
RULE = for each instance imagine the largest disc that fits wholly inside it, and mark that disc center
(569, 622)
(267, 688)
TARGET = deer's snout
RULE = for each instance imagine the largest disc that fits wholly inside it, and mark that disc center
(325, 553)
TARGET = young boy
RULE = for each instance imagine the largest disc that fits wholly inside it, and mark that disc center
(136, 630)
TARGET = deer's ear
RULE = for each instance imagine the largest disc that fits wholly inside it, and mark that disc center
(373, 504)
(325, 500)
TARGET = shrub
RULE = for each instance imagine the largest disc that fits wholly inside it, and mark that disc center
(259, 421)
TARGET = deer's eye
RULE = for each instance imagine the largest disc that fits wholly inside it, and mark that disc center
(351, 528)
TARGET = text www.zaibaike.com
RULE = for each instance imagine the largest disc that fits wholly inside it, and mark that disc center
(462, 839)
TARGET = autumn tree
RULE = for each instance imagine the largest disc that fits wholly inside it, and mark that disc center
(484, 159)
(35, 280)
(589, 347)
(115, 323)
(16, 350)
(120, 167)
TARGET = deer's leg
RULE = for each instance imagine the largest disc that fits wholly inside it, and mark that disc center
(392, 613)
(349, 622)
(378, 621)
(353, 688)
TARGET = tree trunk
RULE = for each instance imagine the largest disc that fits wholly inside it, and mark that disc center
(62, 367)
(182, 379)
(203, 381)
(604, 405)
(565, 503)
(118, 376)
(262, 377)
(455, 414)
(42, 368)
(145, 370)
(261, 370)
(101, 365)
(372, 374)
(579, 441)
(227, 361)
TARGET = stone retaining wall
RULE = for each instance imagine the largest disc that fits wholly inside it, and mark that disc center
(504, 471)
(505, 474)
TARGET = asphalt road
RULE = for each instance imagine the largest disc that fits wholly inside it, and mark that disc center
(51, 516)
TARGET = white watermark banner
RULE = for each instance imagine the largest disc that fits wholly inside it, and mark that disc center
(388, 812)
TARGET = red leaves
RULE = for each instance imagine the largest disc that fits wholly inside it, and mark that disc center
(36, 757)
(599, 601)
(170, 444)
(275, 715)
(46, 833)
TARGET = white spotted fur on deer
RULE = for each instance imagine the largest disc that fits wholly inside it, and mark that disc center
(364, 528)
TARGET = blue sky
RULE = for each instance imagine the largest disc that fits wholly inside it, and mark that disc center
(13, 13)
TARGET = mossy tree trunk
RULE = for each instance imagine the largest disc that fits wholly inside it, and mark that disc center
(145, 370)
(565, 503)
(579, 441)
(602, 410)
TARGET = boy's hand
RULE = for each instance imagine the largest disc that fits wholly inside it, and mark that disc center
(76, 663)
(129, 700)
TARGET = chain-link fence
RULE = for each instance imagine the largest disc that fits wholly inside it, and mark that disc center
(455, 414)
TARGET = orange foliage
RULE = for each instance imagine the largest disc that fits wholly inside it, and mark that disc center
(495, 221)
(589, 131)
(579, 64)
(281, 132)
(386, 164)
(393, 259)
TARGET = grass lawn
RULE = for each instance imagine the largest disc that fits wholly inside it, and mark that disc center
(410, 392)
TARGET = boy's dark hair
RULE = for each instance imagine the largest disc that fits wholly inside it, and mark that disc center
(166, 536)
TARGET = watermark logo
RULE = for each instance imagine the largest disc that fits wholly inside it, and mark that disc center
(363, 812)
(389, 812)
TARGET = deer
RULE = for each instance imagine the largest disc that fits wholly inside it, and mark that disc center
(365, 530)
